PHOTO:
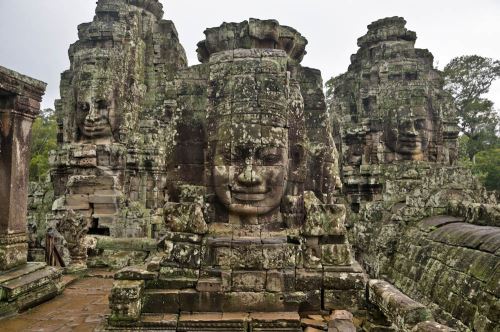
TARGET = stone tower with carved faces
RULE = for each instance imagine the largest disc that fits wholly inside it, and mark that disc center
(390, 107)
(252, 222)
(398, 142)
(114, 119)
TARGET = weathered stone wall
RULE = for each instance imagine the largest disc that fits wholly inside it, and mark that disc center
(452, 267)
(411, 191)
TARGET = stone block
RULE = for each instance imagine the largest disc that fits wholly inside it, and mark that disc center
(182, 237)
(223, 257)
(309, 301)
(278, 256)
(195, 301)
(126, 244)
(430, 326)
(182, 254)
(175, 272)
(280, 281)
(167, 322)
(185, 217)
(135, 273)
(246, 256)
(254, 301)
(248, 281)
(103, 199)
(398, 307)
(344, 299)
(28, 280)
(314, 324)
(336, 254)
(126, 301)
(161, 301)
(77, 202)
(13, 255)
(212, 321)
(345, 280)
(38, 295)
(209, 284)
(272, 321)
(105, 208)
(341, 321)
(323, 219)
(306, 280)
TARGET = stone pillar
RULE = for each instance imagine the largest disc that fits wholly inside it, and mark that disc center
(20, 98)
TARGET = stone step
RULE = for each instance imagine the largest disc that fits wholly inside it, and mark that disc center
(240, 321)
(275, 321)
(38, 295)
(27, 282)
(20, 271)
(167, 322)
(213, 321)
(190, 300)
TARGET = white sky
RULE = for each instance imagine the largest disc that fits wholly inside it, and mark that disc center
(35, 34)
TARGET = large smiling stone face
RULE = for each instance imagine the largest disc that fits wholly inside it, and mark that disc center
(408, 132)
(250, 176)
(95, 117)
(96, 106)
(248, 139)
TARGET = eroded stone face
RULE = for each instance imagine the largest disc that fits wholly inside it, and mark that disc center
(96, 115)
(249, 141)
(408, 132)
(250, 179)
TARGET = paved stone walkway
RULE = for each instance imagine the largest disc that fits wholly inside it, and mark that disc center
(81, 307)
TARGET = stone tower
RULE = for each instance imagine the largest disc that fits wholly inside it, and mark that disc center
(115, 119)
(414, 213)
(252, 223)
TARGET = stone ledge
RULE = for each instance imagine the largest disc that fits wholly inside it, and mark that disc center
(401, 310)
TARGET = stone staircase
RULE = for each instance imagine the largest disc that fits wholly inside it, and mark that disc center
(28, 285)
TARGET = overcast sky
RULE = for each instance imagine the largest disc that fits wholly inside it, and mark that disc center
(35, 34)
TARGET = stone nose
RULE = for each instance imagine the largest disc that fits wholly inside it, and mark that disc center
(248, 177)
(94, 114)
(410, 129)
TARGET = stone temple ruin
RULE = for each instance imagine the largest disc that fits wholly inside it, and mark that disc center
(231, 197)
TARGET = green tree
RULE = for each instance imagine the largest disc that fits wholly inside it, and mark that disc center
(43, 140)
(468, 78)
(487, 167)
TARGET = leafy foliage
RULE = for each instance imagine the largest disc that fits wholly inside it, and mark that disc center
(487, 167)
(43, 140)
(468, 78)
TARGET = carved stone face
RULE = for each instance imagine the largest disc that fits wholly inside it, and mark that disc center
(250, 177)
(96, 117)
(408, 132)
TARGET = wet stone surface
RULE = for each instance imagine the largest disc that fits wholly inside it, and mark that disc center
(82, 307)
